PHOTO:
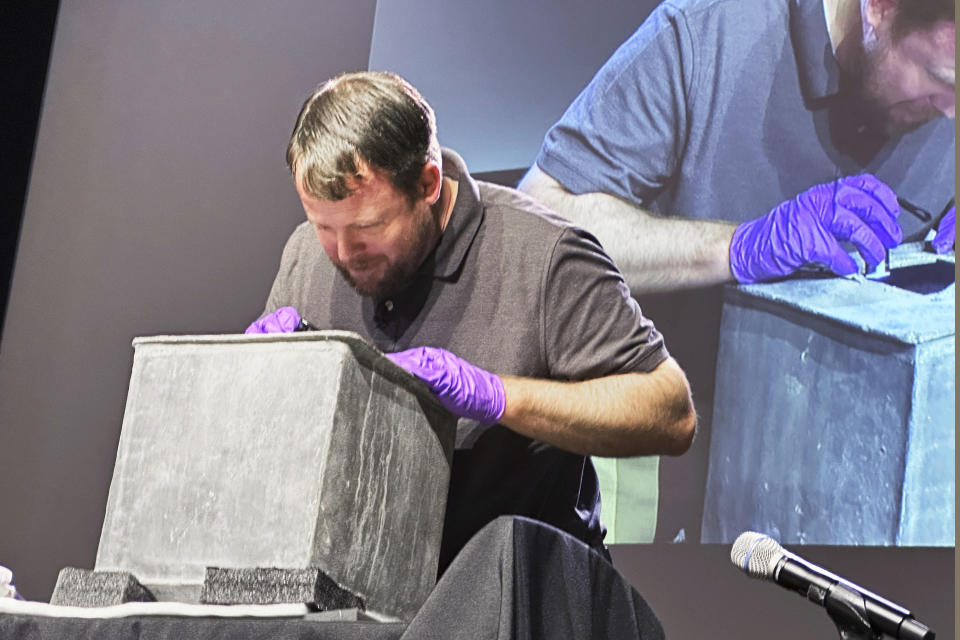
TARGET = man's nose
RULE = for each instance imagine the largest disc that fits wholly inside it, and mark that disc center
(348, 245)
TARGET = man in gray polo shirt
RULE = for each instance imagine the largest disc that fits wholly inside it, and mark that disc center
(516, 319)
(703, 127)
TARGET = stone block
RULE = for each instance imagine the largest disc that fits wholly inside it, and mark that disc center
(301, 451)
(85, 588)
(270, 585)
(834, 412)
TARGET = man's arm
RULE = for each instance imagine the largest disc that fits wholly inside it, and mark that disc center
(657, 254)
(621, 415)
(627, 414)
(654, 253)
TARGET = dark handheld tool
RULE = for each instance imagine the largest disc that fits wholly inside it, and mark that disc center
(303, 325)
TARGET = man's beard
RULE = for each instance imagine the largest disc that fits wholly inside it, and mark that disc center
(400, 274)
(898, 119)
(893, 120)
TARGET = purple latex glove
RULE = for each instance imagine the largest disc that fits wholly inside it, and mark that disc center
(283, 320)
(946, 232)
(465, 390)
(860, 209)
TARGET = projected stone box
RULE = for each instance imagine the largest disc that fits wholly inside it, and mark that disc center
(834, 412)
(297, 451)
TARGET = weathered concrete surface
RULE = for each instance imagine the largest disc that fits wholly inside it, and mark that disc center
(834, 414)
(270, 585)
(84, 588)
(296, 451)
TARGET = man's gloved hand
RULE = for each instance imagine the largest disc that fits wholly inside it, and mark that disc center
(283, 320)
(860, 209)
(946, 232)
(465, 390)
(7, 590)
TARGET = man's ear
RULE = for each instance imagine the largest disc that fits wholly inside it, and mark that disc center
(877, 12)
(431, 181)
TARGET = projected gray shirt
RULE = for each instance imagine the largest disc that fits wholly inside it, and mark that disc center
(722, 109)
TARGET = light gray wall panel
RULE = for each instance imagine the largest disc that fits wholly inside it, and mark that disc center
(159, 203)
(499, 72)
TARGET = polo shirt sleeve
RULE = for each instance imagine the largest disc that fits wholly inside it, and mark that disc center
(627, 130)
(284, 290)
(592, 327)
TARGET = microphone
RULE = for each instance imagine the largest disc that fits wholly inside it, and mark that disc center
(851, 607)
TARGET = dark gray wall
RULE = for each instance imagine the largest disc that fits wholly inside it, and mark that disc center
(697, 593)
(159, 204)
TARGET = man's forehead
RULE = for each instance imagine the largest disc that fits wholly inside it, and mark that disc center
(935, 48)
(369, 201)
(943, 35)
(367, 181)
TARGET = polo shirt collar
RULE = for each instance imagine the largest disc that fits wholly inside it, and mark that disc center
(817, 66)
(464, 220)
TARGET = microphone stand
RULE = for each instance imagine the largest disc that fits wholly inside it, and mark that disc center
(848, 610)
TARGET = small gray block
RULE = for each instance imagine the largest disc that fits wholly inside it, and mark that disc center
(188, 593)
(276, 586)
(85, 588)
(340, 615)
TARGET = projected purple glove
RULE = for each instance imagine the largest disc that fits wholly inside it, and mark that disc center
(946, 232)
(465, 390)
(283, 320)
(860, 209)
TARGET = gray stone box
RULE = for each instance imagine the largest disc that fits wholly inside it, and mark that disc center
(292, 451)
(834, 414)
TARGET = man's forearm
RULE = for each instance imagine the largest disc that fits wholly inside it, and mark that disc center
(622, 415)
(654, 253)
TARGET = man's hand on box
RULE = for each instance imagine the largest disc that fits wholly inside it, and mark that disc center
(809, 228)
(283, 320)
(465, 390)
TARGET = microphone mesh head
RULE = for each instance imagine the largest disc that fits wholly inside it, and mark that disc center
(756, 553)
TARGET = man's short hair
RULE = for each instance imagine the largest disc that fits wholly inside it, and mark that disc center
(914, 15)
(361, 121)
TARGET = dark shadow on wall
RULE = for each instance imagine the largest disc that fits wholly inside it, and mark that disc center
(27, 33)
